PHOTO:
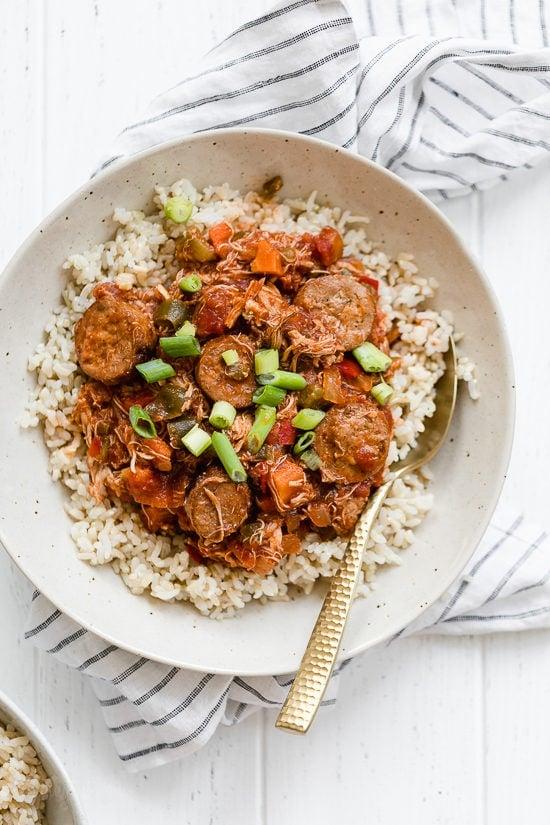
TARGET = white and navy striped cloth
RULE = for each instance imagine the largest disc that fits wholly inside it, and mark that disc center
(451, 94)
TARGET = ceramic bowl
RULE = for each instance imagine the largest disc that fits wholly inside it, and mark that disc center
(62, 807)
(469, 471)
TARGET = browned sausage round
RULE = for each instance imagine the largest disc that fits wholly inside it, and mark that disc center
(216, 506)
(342, 305)
(221, 383)
(113, 336)
(353, 441)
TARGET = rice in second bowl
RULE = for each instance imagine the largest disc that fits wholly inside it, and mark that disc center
(142, 254)
(24, 785)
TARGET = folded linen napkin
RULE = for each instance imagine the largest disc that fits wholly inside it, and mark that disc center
(422, 90)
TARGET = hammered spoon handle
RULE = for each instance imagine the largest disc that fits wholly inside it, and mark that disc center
(310, 683)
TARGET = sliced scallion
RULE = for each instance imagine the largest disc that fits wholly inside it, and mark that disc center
(283, 379)
(187, 329)
(228, 457)
(222, 415)
(266, 360)
(270, 396)
(371, 358)
(190, 283)
(304, 442)
(263, 423)
(230, 357)
(382, 392)
(311, 459)
(196, 440)
(307, 419)
(142, 422)
(180, 345)
(155, 370)
(178, 209)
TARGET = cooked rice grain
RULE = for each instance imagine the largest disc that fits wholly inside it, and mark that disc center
(24, 785)
(142, 253)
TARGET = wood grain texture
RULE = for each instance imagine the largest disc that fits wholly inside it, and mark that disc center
(428, 730)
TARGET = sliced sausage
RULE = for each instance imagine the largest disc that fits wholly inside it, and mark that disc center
(235, 384)
(353, 441)
(341, 305)
(217, 506)
(113, 335)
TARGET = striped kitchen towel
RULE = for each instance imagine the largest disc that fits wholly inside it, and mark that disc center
(441, 92)
(157, 713)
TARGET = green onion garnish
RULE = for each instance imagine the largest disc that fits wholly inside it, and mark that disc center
(284, 380)
(270, 396)
(263, 423)
(196, 440)
(307, 419)
(230, 460)
(142, 422)
(180, 345)
(230, 357)
(191, 283)
(266, 360)
(382, 392)
(311, 459)
(155, 370)
(178, 209)
(371, 358)
(304, 442)
(222, 415)
(187, 329)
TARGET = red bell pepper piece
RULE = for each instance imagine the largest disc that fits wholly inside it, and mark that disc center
(349, 369)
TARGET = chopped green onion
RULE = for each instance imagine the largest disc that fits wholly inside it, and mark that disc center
(155, 370)
(304, 441)
(178, 209)
(231, 357)
(222, 415)
(371, 358)
(196, 440)
(311, 459)
(177, 429)
(263, 423)
(171, 312)
(284, 380)
(270, 396)
(307, 419)
(142, 422)
(191, 283)
(266, 360)
(187, 329)
(180, 345)
(230, 460)
(382, 392)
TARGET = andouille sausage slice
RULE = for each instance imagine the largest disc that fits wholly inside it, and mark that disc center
(353, 441)
(113, 335)
(235, 384)
(216, 506)
(342, 305)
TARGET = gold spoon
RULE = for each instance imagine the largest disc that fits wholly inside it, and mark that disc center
(312, 678)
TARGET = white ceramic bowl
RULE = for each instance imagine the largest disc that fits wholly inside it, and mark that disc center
(469, 471)
(62, 807)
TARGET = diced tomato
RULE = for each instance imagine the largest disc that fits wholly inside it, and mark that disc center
(219, 235)
(209, 321)
(373, 282)
(282, 434)
(94, 450)
(349, 369)
(268, 259)
(329, 245)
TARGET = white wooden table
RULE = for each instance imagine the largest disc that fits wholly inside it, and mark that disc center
(430, 731)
